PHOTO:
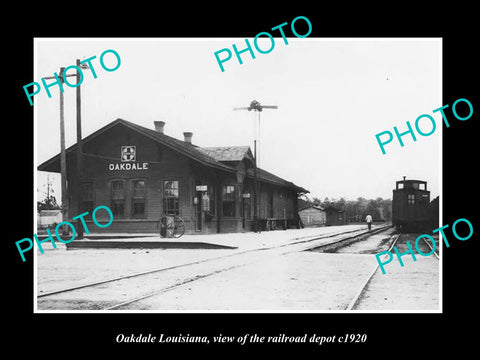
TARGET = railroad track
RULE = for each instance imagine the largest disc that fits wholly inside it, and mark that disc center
(121, 292)
(363, 286)
(394, 239)
(431, 248)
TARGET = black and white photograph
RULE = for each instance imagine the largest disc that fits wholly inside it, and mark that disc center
(258, 188)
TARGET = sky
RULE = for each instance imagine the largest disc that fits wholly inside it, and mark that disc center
(333, 96)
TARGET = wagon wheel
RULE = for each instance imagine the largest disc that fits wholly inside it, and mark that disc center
(267, 225)
(273, 224)
(178, 227)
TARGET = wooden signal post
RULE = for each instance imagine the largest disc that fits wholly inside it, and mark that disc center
(257, 107)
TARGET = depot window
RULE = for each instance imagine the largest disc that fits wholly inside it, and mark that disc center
(88, 201)
(228, 200)
(170, 197)
(138, 198)
(118, 198)
(247, 208)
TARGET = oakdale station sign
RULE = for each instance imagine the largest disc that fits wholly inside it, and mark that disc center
(128, 166)
(128, 156)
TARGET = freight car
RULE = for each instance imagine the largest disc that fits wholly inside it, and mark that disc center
(411, 206)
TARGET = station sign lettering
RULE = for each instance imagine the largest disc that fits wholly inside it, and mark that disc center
(128, 157)
(128, 166)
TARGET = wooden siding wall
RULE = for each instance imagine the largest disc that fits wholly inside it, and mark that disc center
(165, 164)
(313, 217)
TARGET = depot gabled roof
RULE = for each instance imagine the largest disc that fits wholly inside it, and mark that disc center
(215, 157)
(182, 147)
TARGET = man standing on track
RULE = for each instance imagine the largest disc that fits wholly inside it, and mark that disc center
(368, 219)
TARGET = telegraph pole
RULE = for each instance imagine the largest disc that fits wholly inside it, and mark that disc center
(256, 106)
(63, 166)
(79, 153)
(63, 161)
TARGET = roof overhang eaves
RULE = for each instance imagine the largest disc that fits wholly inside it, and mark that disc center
(214, 163)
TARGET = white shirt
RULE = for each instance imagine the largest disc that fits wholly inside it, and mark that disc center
(368, 219)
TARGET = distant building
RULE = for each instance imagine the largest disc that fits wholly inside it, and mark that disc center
(335, 216)
(312, 216)
(46, 218)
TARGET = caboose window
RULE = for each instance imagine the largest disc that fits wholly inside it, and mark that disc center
(411, 199)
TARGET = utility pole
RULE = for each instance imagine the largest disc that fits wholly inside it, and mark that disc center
(63, 167)
(63, 161)
(79, 145)
(79, 153)
(256, 106)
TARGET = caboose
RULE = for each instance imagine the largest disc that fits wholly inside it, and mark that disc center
(410, 205)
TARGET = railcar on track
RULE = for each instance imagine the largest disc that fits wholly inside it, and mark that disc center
(411, 209)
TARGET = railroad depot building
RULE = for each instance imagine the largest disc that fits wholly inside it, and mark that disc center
(141, 174)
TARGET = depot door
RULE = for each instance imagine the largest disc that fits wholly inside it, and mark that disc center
(198, 212)
(246, 211)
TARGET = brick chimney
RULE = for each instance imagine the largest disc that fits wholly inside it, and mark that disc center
(159, 126)
(188, 137)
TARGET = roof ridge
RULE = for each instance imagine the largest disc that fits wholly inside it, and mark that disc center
(222, 147)
(186, 149)
(189, 148)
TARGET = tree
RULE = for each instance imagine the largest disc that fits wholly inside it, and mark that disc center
(341, 204)
(326, 202)
(50, 202)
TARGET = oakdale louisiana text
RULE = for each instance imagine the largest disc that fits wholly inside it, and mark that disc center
(242, 339)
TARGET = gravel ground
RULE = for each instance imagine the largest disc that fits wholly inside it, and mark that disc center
(313, 281)
(59, 268)
(412, 287)
(303, 281)
(415, 286)
(298, 281)
(367, 245)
